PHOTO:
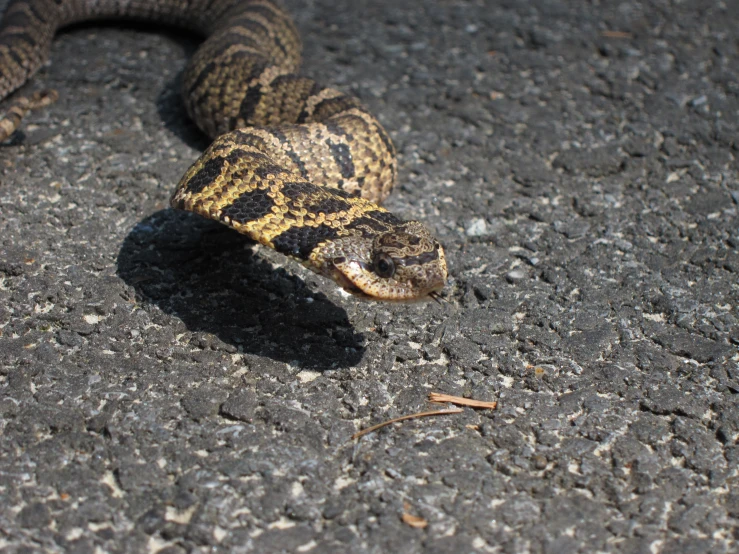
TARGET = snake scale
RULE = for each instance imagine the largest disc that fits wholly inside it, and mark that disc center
(295, 166)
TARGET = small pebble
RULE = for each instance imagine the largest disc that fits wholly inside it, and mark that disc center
(540, 462)
(515, 275)
(476, 227)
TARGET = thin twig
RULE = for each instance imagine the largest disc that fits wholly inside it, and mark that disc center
(616, 34)
(440, 398)
(416, 522)
(403, 418)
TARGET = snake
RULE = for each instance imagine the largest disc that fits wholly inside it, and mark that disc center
(296, 166)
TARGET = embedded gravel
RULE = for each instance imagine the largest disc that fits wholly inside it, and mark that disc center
(167, 386)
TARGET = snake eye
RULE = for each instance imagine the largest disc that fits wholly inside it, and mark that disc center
(384, 266)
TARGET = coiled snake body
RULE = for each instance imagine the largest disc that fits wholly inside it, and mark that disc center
(296, 166)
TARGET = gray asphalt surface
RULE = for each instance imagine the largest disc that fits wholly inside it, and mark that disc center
(167, 386)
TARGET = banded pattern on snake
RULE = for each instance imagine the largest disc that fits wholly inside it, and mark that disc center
(296, 166)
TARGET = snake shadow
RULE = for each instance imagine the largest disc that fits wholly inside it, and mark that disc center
(209, 277)
(170, 105)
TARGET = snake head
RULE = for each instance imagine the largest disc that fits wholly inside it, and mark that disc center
(405, 264)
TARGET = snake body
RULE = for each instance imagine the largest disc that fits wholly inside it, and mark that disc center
(296, 166)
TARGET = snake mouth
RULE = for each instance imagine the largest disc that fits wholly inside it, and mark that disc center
(354, 278)
(347, 285)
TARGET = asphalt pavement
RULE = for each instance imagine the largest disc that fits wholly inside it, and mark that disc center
(167, 386)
